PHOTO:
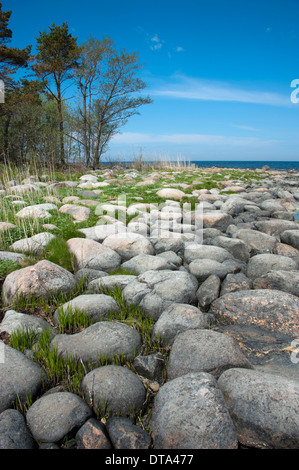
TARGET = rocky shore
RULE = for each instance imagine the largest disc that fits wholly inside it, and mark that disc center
(209, 259)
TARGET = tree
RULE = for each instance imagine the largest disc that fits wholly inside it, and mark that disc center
(92, 57)
(57, 57)
(11, 58)
(111, 78)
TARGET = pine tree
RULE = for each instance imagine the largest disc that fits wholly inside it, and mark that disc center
(57, 57)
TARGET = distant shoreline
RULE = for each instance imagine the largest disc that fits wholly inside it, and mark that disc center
(251, 165)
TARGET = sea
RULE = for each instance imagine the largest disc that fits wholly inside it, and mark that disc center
(248, 164)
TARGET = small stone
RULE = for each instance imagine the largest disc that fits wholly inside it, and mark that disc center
(93, 435)
(126, 435)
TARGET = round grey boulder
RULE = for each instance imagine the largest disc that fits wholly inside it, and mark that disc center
(43, 279)
(261, 264)
(204, 351)
(96, 306)
(190, 412)
(19, 377)
(57, 415)
(176, 319)
(14, 433)
(264, 408)
(103, 339)
(114, 390)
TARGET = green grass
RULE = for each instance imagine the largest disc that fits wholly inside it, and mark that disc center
(7, 267)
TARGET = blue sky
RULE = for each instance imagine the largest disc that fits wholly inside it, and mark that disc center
(219, 72)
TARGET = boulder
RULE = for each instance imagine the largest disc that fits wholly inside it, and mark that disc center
(102, 339)
(142, 263)
(126, 435)
(291, 237)
(78, 213)
(114, 390)
(257, 242)
(93, 255)
(287, 281)
(14, 321)
(129, 244)
(267, 309)
(203, 350)
(93, 435)
(208, 291)
(19, 377)
(190, 412)
(56, 416)
(264, 408)
(156, 290)
(195, 251)
(42, 279)
(259, 265)
(235, 282)
(95, 306)
(35, 244)
(14, 433)
(176, 319)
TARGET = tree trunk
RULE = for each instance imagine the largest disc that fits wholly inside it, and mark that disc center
(59, 101)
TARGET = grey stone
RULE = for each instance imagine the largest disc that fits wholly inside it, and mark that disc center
(204, 268)
(57, 415)
(195, 252)
(172, 257)
(39, 280)
(35, 244)
(14, 321)
(8, 256)
(264, 408)
(204, 351)
(291, 237)
(237, 248)
(14, 433)
(150, 366)
(93, 255)
(126, 435)
(114, 390)
(89, 274)
(93, 435)
(287, 281)
(142, 263)
(259, 265)
(235, 282)
(176, 319)
(96, 306)
(208, 291)
(267, 309)
(129, 244)
(159, 289)
(258, 242)
(275, 227)
(19, 377)
(102, 339)
(107, 283)
(190, 412)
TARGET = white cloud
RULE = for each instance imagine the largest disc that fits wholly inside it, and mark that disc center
(179, 49)
(247, 128)
(157, 43)
(198, 89)
(137, 138)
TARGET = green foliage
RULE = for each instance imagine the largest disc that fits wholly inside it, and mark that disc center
(7, 267)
